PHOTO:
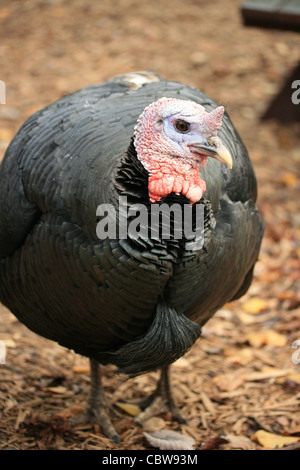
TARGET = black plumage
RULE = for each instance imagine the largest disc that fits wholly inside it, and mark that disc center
(137, 303)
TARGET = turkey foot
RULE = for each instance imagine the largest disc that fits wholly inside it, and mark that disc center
(98, 410)
(160, 400)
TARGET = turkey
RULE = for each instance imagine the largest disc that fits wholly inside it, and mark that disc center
(87, 187)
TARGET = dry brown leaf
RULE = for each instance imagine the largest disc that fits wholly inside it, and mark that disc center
(239, 442)
(229, 382)
(213, 443)
(154, 424)
(286, 295)
(295, 430)
(129, 408)
(293, 377)
(255, 306)
(238, 356)
(170, 440)
(81, 368)
(246, 318)
(273, 441)
(28, 91)
(269, 337)
(289, 179)
(60, 389)
(69, 412)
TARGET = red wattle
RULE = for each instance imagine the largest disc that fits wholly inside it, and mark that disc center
(190, 185)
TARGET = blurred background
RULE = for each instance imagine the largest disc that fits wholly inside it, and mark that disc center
(50, 48)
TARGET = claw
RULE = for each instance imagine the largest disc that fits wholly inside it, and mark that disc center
(159, 401)
(98, 411)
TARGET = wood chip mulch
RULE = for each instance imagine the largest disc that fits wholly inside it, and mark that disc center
(239, 386)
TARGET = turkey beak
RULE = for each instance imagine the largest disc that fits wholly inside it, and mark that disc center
(214, 147)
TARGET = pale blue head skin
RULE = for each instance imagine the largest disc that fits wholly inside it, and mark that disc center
(173, 139)
(180, 128)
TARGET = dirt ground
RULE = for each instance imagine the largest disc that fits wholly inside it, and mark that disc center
(239, 382)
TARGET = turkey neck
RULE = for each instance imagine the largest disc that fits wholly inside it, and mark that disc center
(130, 180)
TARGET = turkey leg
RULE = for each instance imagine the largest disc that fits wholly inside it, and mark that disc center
(160, 400)
(98, 410)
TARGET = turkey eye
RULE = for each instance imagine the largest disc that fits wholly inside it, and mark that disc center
(182, 126)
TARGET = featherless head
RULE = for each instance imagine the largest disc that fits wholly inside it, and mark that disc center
(173, 139)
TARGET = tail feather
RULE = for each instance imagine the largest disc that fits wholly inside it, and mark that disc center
(169, 337)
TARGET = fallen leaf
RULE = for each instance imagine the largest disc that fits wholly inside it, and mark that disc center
(170, 440)
(295, 430)
(154, 424)
(238, 356)
(289, 179)
(239, 442)
(129, 408)
(69, 412)
(269, 337)
(284, 423)
(293, 377)
(81, 368)
(229, 382)
(213, 443)
(287, 296)
(271, 441)
(246, 318)
(60, 389)
(255, 306)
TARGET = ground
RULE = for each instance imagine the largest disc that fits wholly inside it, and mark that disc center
(243, 376)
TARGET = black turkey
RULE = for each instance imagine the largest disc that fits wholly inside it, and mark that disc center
(89, 165)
